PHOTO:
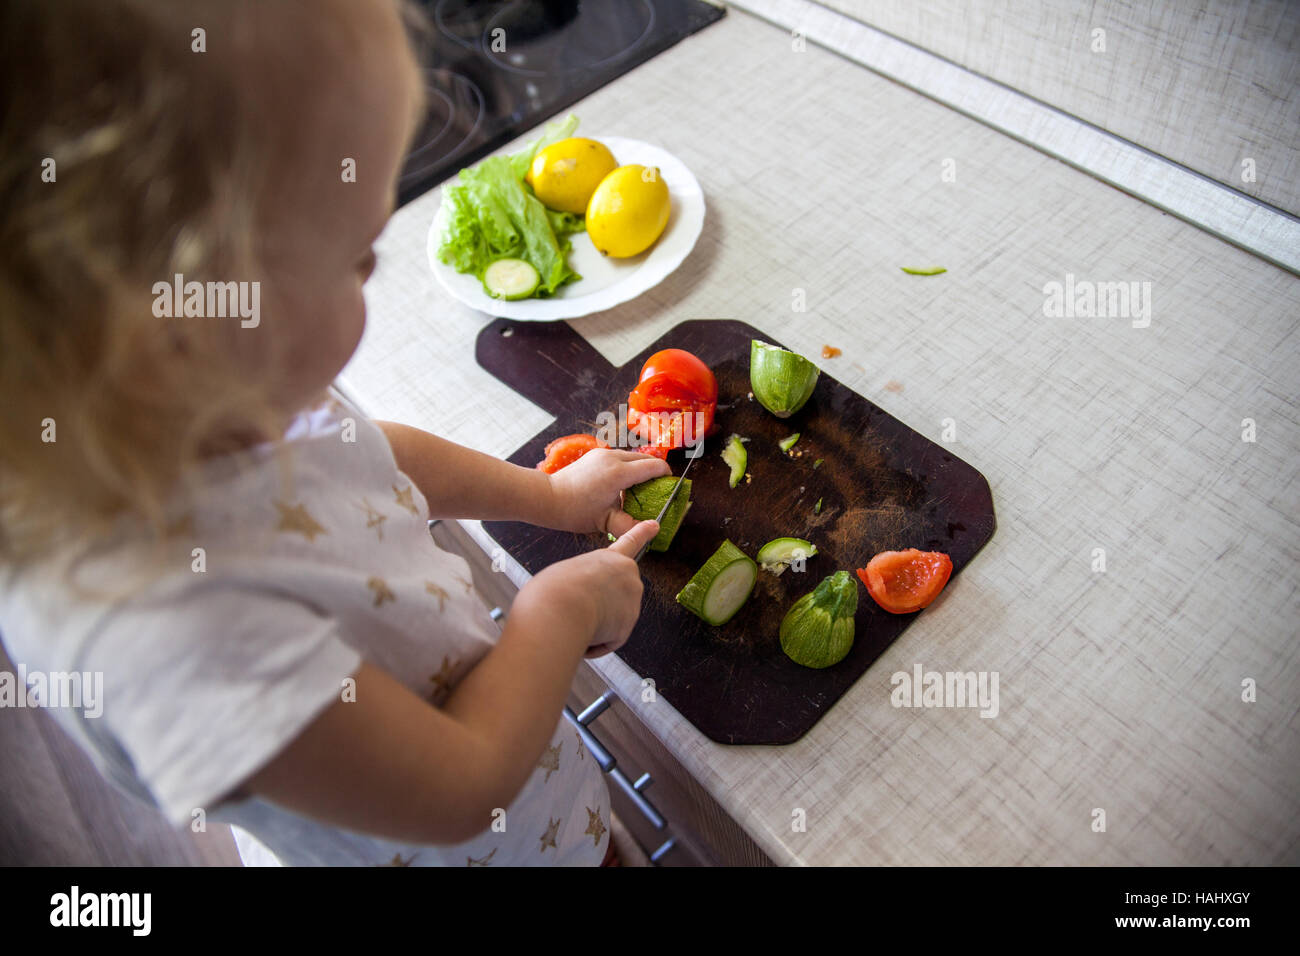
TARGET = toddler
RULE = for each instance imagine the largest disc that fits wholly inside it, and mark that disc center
(185, 512)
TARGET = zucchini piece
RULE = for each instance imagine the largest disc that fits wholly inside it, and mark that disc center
(782, 381)
(734, 454)
(817, 508)
(788, 442)
(779, 553)
(818, 463)
(511, 279)
(720, 588)
(817, 631)
(645, 500)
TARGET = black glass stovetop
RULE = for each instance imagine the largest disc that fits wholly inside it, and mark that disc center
(495, 69)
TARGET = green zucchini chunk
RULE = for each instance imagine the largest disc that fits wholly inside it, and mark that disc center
(734, 454)
(719, 589)
(817, 631)
(644, 501)
(779, 553)
(782, 381)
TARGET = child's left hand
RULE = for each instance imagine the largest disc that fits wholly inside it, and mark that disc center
(585, 495)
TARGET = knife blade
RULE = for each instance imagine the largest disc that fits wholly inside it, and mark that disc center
(691, 455)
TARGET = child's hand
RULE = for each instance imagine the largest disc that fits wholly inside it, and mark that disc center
(586, 496)
(602, 588)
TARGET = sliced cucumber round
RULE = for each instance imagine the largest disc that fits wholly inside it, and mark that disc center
(719, 589)
(511, 279)
(779, 553)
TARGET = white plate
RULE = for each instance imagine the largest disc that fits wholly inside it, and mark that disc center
(605, 282)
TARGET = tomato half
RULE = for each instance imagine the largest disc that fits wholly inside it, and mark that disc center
(565, 451)
(690, 373)
(905, 581)
(674, 401)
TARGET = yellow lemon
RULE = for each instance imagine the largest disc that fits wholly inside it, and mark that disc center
(628, 211)
(565, 174)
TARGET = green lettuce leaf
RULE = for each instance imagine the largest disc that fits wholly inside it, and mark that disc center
(492, 214)
(565, 223)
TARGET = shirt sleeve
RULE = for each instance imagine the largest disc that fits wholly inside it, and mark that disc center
(203, 689)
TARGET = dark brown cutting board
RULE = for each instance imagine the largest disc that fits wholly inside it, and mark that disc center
(884, 487)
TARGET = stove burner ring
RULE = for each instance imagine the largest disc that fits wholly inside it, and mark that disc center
(483, 39)
(504, 61)
(463, 111)
(448, 29)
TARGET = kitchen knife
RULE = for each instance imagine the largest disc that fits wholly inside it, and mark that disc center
(691, 455)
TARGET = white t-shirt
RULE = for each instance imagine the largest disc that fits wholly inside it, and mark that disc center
(227, 653)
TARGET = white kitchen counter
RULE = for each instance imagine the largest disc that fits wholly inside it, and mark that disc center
(1119, 690)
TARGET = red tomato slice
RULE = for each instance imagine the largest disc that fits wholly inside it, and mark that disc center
(905, 581)
(663, 392)
(565, 451)
(666, 428)
(692, 374)
(659, 451)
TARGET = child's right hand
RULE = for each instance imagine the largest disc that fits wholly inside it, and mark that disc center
(602, 586)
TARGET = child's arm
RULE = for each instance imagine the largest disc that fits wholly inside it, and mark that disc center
(459, 482)
(393, 765)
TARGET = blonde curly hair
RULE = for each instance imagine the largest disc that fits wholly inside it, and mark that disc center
(127, 156)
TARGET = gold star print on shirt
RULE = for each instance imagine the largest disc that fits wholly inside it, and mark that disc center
(374, 519)
(594, 825)
(382, 591)
(440, 593)
(581, 749)
(548, 838)
(405, 499)
(485, 861)
(441, 681)
(398, 861)
(298, 518)
(550, 760)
